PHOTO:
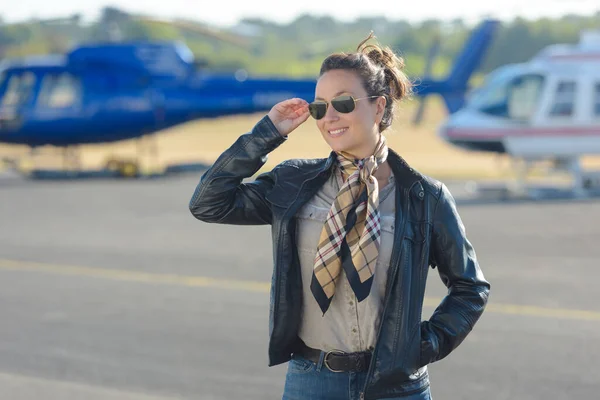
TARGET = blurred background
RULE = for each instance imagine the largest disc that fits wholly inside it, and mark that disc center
(110, 112)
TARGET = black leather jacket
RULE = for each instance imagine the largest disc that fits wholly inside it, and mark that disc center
(428, 232)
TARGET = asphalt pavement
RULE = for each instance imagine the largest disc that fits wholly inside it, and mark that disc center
(112, 290)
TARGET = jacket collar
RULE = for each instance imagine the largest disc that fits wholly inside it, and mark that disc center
(404, 174)
(317, 171)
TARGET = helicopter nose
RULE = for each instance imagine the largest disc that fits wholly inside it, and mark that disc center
(443, 130)
(449, 128)
(9, 121)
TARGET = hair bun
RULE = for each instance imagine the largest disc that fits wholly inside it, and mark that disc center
(382, 56)
(391, 64)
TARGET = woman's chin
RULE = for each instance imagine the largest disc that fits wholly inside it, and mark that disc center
(338, 146)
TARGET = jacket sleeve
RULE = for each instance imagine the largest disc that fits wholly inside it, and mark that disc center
(459, 270)
(221, 197)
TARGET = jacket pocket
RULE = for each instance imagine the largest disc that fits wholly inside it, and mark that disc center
(415, 248)
(416, 231)
(412, 352)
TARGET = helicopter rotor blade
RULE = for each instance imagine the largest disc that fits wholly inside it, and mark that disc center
(201, 29)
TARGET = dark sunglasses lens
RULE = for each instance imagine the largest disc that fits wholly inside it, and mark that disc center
(317, 109)
(343, 104)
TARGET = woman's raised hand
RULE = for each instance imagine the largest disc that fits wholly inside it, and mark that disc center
(289, 114)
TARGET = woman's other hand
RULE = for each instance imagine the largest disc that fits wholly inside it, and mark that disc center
(289, 114)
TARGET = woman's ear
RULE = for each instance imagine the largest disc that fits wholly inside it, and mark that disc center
(381, 103)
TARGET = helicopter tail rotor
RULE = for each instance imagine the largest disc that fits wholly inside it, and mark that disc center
(432, 54)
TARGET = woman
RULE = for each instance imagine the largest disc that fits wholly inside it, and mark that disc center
(353, 238)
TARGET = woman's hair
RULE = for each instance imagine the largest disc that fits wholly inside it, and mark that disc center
(380, 70)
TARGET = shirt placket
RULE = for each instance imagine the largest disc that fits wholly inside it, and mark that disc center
(353, 317)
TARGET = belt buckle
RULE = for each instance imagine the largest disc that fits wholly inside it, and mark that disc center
(336, 352)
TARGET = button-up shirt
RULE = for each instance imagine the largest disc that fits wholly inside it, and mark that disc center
(347, 325)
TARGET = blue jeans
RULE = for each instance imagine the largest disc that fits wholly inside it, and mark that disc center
(306, 380)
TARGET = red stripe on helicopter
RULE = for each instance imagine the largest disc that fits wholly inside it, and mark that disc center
(486, 134)
(593, 56)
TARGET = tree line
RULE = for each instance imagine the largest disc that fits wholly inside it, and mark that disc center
(265, 47)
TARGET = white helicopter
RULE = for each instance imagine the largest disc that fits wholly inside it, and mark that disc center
(547, 109)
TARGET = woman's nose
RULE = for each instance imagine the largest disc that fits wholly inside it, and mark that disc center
(331, 114)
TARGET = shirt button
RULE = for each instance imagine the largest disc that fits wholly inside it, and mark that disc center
(353, 330)
(351, 302)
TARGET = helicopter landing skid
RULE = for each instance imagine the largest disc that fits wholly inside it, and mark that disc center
(509, 191)
(113, 168)
(586, 187)
(564, 179)
(105, 173)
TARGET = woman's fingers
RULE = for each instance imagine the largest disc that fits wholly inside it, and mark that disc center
(301, 117)
(288, 114)
(293, 104)
(301, 110)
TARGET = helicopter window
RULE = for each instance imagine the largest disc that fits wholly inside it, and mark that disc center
(564, 99)
(59, 91)
(523, 96)
(597, 99)
(18, 89)
(516, 98)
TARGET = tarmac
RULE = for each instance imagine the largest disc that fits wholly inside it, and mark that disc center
(110, 289)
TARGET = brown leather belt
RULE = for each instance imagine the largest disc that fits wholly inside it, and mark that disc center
(338, 361)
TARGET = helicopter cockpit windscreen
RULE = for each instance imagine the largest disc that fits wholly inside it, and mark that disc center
(59, 91)
(19, 90)
(509, 96)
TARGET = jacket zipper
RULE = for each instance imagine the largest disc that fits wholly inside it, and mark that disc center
(395, 257)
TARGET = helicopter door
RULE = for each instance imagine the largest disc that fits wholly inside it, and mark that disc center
(562, 103)
(19, 93)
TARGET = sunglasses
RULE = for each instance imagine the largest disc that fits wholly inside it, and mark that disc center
(344, 104)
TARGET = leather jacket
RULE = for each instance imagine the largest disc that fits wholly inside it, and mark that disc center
(429, 233)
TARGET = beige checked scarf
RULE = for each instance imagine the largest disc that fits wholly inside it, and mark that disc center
(351, 234)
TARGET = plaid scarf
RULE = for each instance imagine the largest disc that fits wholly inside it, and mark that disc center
(351, 234)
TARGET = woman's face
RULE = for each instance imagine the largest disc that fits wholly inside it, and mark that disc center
(356, 132)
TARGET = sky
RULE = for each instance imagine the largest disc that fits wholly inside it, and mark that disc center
(228, 12)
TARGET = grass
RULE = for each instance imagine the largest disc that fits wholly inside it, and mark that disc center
(204, 140)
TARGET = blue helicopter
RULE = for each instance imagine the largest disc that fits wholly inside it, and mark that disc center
(108, 92)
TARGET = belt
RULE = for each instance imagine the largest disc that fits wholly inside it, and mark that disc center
(338, 361)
